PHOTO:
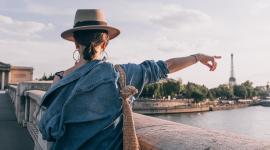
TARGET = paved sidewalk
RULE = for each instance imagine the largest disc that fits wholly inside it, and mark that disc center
(12, 135)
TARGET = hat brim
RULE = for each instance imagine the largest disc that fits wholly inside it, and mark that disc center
(112, 32)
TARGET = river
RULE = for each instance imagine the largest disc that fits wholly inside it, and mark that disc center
(251, 121)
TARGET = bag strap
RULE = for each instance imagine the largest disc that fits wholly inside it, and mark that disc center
(122, 78)
(130, 140)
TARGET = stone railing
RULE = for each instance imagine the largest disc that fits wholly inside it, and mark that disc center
(159, 134)
(153, 133)
(32, 117)
(19, 100)
(12, 90)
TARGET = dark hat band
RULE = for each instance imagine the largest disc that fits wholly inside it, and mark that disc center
(87, 23)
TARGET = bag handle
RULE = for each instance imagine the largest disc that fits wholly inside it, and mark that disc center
(130, 140)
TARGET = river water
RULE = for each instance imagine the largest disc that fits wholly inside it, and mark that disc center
(251, 121)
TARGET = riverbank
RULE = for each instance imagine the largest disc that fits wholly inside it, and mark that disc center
(228, 106)
(180, 106)
(171, 110)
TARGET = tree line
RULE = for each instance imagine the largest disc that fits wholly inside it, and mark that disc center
(176, 89)
(46, 77)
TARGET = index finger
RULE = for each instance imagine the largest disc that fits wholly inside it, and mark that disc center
(217, 57)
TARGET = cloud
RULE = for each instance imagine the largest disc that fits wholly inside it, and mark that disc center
(260, 8)
(12, 28)
(180, 18)
(47, 10)
(157, 30)
(44, 56)
(182, 30)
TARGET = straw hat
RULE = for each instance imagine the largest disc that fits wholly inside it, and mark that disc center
(90, 19)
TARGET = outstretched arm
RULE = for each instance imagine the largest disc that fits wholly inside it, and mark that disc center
(179, 63)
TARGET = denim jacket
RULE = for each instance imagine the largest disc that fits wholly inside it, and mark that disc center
(84, 110)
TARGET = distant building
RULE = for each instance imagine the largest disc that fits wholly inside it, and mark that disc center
(20, 73)
(4, 71)
(263, 88)
(14, 74)
(232, 79)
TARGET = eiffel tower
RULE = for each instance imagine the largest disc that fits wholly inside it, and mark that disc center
(232, 80)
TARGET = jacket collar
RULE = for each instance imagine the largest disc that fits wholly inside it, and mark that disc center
(72, 76)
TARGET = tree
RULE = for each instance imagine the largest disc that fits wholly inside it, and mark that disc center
(148, 91)
(157, 90)
(172, 88)
(200, 92)
(198, 95)
(240, 91)
(222, 91)
(249, 89)
(163, 89)
(46, 78)
(261, 92)
(195, 91)
(210, 95)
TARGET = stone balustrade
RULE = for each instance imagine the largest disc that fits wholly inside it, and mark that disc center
(33, 113)
(159, 134)
(20, 97)
(12, 90)
(153, 133)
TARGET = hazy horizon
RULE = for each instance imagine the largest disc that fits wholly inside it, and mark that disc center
(154, 29)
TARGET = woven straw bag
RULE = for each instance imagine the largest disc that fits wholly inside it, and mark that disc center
(130, 140)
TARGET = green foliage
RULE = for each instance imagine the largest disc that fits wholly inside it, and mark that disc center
(172, 88)
(148, 91)
(223, 91)
(199, 92)
(46, 77)
(210, 95)
(249, 89)
(240, 91)
(195, 91)
(176, 89)
(164, 89)
(261, 92)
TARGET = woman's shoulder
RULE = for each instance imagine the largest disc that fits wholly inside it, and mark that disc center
(103, 73)
(104, 67)
(102, 70)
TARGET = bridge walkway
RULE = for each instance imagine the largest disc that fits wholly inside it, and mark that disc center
(12, 135)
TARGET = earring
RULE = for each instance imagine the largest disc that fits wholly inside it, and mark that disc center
(76, 55)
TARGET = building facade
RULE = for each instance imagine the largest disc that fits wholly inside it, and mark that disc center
(19, 74)
(4, 74)
(14, 74)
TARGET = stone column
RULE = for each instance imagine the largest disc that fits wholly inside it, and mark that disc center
(9, 76)
(3, 81)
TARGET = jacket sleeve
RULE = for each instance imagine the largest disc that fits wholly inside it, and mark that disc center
(148, 71)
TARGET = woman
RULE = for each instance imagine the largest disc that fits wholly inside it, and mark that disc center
(83, 106)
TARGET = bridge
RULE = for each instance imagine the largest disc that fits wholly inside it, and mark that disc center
(19, 117)
(12, 135)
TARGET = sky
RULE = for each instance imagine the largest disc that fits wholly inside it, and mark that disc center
(150, 30)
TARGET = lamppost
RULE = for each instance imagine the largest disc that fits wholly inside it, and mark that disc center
(267, 88)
